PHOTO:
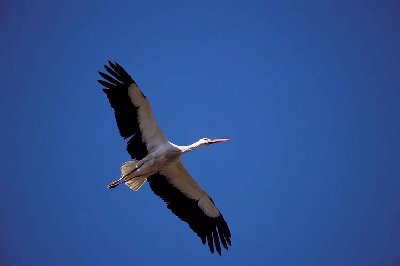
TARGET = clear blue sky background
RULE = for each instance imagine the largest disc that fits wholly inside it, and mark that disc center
(309, 92)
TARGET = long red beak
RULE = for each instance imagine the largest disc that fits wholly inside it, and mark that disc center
(218, 140)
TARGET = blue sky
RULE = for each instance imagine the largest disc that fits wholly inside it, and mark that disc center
(309, 93)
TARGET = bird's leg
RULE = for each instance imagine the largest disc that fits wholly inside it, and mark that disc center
(122, 179)
(126, 179)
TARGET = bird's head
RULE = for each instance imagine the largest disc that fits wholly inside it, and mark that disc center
(208, 141)
(201, 143)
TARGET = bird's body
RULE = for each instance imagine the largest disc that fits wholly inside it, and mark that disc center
(157, 160)
(154, 162)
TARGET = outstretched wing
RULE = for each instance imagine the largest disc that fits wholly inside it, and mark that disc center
(187, 200)
(132, 110)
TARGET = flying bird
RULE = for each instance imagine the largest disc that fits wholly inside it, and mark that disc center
(157, 161)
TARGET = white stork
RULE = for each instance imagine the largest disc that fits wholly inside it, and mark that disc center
(157, 160)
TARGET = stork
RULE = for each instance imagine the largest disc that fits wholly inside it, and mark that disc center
(156, 160)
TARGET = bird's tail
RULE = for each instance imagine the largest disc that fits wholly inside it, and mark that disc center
(127, 169)
(136, 183)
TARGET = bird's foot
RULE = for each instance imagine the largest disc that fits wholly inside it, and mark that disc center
(121, 180)
(114, 184)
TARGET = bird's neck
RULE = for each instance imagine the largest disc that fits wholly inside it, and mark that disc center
(191, 147)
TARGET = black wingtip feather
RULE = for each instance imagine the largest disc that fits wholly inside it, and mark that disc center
(110, 79)
(112, 72)
(111, 64)
(106, 84)
(222, 238)
(210, 242)
(216, 241)
(203, 239)
(121, 73)
(224, 232)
